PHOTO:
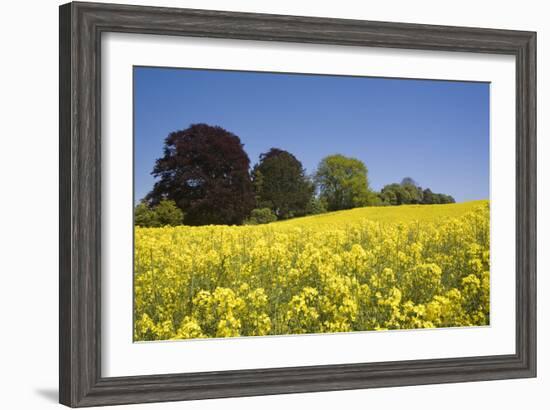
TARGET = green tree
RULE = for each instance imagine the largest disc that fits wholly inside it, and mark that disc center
(165, 213)
(316, 206)
(446, 199)
(168, 213)
(408, 181)
(342, 182)
(261, 216)
(144, 216)
(374, 199)
(409, 192)
(428, 196)
(281, 184)
(414, 191)
(395, 194)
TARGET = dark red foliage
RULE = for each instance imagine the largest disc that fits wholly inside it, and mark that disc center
(205, 170)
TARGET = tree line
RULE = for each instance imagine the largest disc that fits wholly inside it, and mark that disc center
(204, 177)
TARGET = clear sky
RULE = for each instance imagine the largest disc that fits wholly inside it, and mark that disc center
(436, 132)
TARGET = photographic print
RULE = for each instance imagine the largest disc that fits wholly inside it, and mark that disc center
(293, 203)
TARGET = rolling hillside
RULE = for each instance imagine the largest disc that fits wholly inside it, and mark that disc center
(403, 213)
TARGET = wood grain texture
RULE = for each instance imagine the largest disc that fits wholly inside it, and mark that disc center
(81, 26)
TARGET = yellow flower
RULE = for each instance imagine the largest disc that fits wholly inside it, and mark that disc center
(362, 269)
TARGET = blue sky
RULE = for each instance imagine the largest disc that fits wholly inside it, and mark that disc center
(436, 132)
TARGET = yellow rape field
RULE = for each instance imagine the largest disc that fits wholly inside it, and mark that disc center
(375, 268)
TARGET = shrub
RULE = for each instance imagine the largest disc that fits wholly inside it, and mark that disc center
(261, 216)
(166, 213)
(144, 216)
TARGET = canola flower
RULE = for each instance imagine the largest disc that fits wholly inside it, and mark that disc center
(365, 269)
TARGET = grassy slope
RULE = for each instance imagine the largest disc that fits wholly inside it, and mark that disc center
(403, 213)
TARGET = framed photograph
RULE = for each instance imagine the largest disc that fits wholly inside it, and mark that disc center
(259, 204)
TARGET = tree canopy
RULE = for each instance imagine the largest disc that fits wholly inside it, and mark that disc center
(409, 192)
(204, 175)
(261, 216)
(205, 171)
(342, 182)
(281, 184)
(165, 213)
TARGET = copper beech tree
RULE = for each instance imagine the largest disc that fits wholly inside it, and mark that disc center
(205, 171)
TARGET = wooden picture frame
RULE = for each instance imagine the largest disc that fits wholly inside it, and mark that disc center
(81, 27)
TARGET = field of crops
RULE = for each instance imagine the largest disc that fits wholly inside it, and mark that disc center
(414, 266)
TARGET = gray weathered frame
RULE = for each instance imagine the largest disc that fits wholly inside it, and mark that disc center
(80, 380)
